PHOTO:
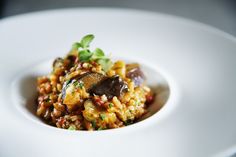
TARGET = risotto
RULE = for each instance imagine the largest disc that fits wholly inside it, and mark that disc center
(86, 90)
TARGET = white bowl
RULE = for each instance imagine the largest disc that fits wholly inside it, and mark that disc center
(196, 62)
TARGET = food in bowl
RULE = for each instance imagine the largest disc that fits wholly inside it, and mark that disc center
(86, 90)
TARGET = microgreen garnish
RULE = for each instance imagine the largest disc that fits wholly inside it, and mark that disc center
(110, 105)
(98, 54)
(137, 103)
(79, 84)
(72, 127)
(76, 45)
(105, 63)
(85, 55)
(93, 124)
(76, 83)
(86, 40)
(102, 116)
(100, 128)
(47, 100)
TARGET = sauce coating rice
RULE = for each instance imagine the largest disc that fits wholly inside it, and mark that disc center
(87, 91)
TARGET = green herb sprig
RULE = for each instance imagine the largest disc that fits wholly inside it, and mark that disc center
(72, 127)
(79, 84)
(102, 116)
(86, 55)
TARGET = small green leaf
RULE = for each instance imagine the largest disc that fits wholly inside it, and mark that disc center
(81, 85)
(76, 46)
(97, 54)
(76, 83)
(110, 105)
(102, 116)
(84, 55)
(72, 127)
(93, 124)
(86, 40)
(137, 103)
(100, 128)
(47, 100)
(105, 63)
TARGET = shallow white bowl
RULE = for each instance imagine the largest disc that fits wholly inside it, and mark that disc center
(196, 61)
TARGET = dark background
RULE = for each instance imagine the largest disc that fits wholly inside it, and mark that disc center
(218, 13)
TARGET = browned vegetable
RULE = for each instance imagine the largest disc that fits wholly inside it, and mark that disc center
(58, 62)
(87, 80)
(113, 86)
(134, 72)
(91, 79)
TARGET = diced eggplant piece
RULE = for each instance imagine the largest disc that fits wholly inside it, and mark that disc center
(58, 62)
(87, 80)
(58, 66)
(71, 58)
(134, 72)
(113, 86)
(91, 79)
